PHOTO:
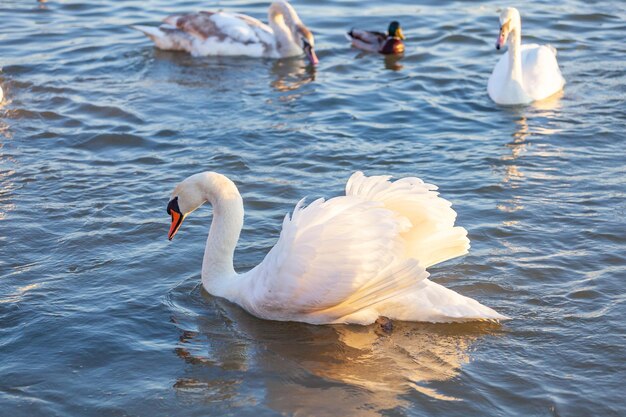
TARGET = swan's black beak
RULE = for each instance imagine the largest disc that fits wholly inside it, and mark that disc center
(177, 217)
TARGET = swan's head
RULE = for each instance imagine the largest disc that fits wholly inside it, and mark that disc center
(281, 14)
(307, 42)
(186, 197)
(509, 21)
(395, 31)
(194, 192)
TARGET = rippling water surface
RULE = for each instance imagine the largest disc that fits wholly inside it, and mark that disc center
(101, 315)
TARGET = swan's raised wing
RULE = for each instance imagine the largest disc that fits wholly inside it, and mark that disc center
(431, 237)
(223, 27)
(333, 258)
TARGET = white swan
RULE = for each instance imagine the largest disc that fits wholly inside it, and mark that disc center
(219, 33)
(525, 73)
(350, 259)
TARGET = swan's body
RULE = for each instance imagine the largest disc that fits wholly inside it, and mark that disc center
(385, 43)
(349, 259)
(220, 33)
(525, 73)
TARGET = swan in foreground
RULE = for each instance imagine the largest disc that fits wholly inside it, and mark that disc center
(350, 259)
(384, 43)
(220, 33)
(525, 73)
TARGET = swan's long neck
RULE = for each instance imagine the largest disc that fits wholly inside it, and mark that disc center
(217, 265)
(515, 54)
(283, 19)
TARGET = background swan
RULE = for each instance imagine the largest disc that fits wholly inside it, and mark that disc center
(525, 73)
(220, 33)
(350, 259)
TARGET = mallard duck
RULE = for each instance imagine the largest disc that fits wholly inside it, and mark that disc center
(387, 44)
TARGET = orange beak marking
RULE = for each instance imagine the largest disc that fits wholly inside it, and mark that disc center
(177, 220)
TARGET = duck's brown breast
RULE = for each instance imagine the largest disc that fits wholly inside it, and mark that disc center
(392, 46)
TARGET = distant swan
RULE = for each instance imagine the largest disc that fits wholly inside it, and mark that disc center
(221, 33)
(525, 73)
(349, 259)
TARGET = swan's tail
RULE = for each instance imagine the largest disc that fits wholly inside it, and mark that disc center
(438, 304)
(406, 286)
(152, 32)
(551, 48)
(433, 238)
(166, 37)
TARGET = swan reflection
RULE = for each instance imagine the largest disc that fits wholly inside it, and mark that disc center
(7, 168)
(543, 111)
(291, 73)
(547, 106)
(320, 370)
(220, 73)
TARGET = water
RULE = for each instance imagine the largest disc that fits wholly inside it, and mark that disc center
(101, 315)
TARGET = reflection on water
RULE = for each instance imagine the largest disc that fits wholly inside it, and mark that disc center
(291, 73)
(7, 171)
(550, 104)
(390, 62)
(226, 72)
(512, 174)
(516, 147)
(346, 365)
(18, 294)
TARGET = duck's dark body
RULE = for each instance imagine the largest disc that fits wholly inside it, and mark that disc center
(384, 43)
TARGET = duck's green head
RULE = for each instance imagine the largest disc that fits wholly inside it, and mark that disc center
(395, 31)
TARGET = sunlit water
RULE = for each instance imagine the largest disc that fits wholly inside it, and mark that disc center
(101, 315)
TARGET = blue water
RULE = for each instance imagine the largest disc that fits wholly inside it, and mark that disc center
(101, 315)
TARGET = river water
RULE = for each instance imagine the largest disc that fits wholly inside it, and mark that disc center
(101, 315)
